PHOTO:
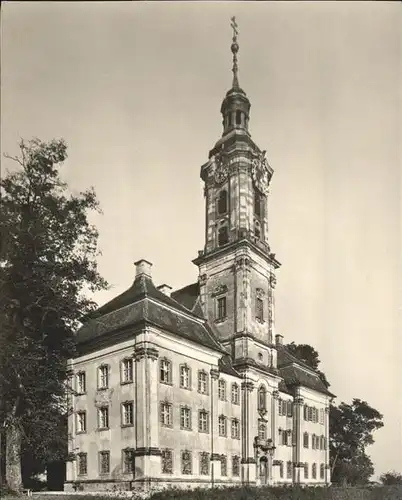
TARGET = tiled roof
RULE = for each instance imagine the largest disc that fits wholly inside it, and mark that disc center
(187, 296)
(143, 302)
(225, 366)
(296, 372)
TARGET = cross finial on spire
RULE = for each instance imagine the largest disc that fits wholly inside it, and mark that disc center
(235, 49)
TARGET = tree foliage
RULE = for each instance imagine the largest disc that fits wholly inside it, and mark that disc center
(390, 478)
(351, 431)
(47, 262)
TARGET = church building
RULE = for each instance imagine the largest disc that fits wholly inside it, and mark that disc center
(195, 387)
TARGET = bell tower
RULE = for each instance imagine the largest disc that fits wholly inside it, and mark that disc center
(236, 266)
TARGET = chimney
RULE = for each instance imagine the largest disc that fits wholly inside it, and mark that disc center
(166, 289)
(278, 339)
(143, 268)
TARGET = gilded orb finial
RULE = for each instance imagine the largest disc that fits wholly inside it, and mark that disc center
(235, 49)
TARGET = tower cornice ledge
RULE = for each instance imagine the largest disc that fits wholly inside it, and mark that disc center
(236, 245)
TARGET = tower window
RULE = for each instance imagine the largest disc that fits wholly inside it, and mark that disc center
(223, 202)
(221, 306)
(223, 236)
(257, 203)
(238, 117)
(259, 310)
(257, 230)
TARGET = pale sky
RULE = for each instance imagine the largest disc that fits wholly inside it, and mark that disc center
(135, 89)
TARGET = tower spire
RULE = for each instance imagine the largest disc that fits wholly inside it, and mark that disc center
(235, 48)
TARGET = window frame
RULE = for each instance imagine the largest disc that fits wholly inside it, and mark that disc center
(100, 409)
(169, 406)
(79, 374)
(203, 425)
(163, 457)
(220, 200)
(221, 308)
(201, 383)
(222, 389)
(124, 404)
(204, 460)
(262, 403)
(169, 371)
(78, 415)
(235, 387)
(105, 453)
(236, 461)
(222, 426)
(187, 369)
(101, 386)
(259, 309)
(306, 440)
(125, 452)
(80, 456)
(190, 424)
(235, 426)
(123, 380)
(190, 455)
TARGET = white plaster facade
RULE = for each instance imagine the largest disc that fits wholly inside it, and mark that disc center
(196, 388)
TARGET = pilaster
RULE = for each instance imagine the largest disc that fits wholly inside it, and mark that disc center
(327, 465)
(215, 457)
(147, 452)
(249, 415)
(297, 428)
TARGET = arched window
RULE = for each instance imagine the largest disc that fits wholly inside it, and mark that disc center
(223, 202)
(223, 236)
(262, 398)
(257, 203)
(262, 430)
(238, 117)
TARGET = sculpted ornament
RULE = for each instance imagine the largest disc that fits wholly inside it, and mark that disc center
(272, 281)
(260, 172)
(219, 168)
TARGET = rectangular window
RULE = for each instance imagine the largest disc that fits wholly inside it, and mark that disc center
(224, 465)
(128, 461)
(103, 417)
(305, 440)
(185, 418)
(314, 471)
(310, 413)
(166, 414)
(235, 465)
(222, 390)
(103, 377)
(322, 416)
(203, 382)
(281, 470)
(306, 470)
(221, 303)
(235, 429)
(204, 463)
(235, 394)
(222, 426)
(81, 383)
(126, 371)
(185, 377)
(127, 413)
(81, 421)
(104, 462)
(203, 421)
(186, 462)
(322, 471)
(289, 409)
(259, 310)
(167, 461)
(289, 470)
(82, 464)
(165, 371)
(305, 412)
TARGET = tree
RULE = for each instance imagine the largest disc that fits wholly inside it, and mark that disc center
(390, 478)
(308, 355)
(47, 264)
(351, 431)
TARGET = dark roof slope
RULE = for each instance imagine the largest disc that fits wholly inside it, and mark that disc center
(296, 372)
(188, 295)
(134, 307)
(225, 366)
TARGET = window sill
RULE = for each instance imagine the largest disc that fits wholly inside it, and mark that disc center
(100, 429)
(167, 426)
(203, 393)
(126, 382)
(186, 388)
(203, 432)
(259, 320)
(80, 393)
(166, 383)
(80, 432)
(126, 425)
(220, 320)
(102, 388)
(186, 429)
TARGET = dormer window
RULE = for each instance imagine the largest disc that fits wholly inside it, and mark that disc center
(223, 202)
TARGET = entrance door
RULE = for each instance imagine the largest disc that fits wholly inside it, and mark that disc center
(263, 470)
